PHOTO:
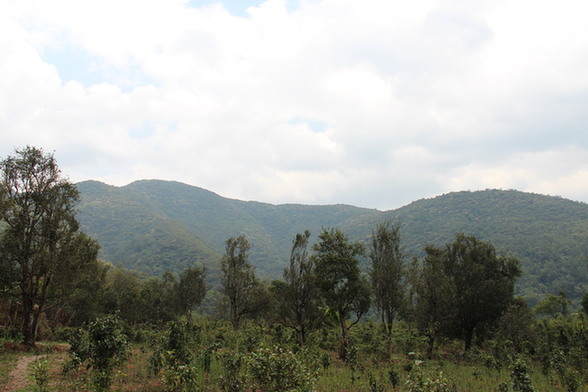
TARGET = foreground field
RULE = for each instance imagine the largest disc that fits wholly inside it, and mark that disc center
(20, 372)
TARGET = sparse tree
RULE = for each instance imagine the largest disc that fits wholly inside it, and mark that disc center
(238, 279)
(387, 273)
(343, 289)
(39, 234)
(299, 296)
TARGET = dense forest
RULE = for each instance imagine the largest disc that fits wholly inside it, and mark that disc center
(154, 226)
(357, 305)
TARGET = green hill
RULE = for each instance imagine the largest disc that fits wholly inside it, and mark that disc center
(154, 226)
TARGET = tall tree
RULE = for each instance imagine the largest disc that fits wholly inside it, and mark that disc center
(343, 289)
(40, 238)
(387, 273)
(298, 297)
(434, 296)
(191, 289)
(484, 282)
(238, 279)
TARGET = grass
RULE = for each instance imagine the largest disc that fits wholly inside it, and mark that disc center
(369, 376)
(8, 361)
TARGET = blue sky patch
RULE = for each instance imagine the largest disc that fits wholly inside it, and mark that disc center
(315, 125)
(239, 7)
(76, 64)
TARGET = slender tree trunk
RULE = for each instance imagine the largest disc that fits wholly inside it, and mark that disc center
(344, 338)
(431, 346)
(388, 323)
(302, 335)
(468, 337)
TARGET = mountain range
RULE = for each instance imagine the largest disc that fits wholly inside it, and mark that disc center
(154, 226)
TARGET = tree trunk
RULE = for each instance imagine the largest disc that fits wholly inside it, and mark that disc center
(468, 337)
(29, 324)
(431, 346)
(389, 328)
(344, 339)
(302, 335)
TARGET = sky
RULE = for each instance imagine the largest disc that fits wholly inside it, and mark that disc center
(373, 103)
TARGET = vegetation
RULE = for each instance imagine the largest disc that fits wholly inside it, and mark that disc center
(239, 282)
(387, 273)
(448, 321)
(43, 256)
(155, 226)
(344, 291)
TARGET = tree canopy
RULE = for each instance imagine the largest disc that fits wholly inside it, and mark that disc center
(40, 243)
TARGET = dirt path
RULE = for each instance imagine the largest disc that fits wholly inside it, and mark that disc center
(18, 376)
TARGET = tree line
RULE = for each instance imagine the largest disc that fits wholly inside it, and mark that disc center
(50, 270)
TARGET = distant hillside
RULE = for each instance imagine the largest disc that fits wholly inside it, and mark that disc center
(154, 226)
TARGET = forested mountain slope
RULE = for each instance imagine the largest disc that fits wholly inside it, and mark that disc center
(153, 226)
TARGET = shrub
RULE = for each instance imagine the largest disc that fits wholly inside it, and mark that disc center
(279, 370)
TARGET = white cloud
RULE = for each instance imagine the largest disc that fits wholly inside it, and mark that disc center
(371, 103)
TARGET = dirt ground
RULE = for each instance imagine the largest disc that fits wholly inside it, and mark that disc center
(18, 376)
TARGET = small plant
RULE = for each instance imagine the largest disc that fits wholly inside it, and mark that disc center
(520, 379)
(103, 347)
(178, 376)
(231, 380)
(326, 361)
(373, 383)
(352, 360)
(41, 374)
(394, 378)
(173, 358)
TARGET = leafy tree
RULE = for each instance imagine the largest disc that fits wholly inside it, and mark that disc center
(78, 292)
(553, 305)
(40, 239)
(387, 273)
(238, 279)
(585, 303)
(434, 307)
(191, 289)
(342, 287)
(159, 298)
(123, 293)
(298, 296)
(484, 283)
(515, 324)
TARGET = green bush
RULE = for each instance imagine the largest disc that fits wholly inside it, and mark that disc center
(279, 370)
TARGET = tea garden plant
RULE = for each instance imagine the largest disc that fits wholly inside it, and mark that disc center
(208, 355)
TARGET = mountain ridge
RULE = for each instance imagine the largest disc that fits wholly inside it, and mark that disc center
(157, 225)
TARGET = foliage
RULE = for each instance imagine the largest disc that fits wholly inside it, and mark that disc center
(190, 290)
(387, 272)
(154, 226)
(553, 305)
(435, 292)
(418, 381)
(298, 296)
(238, 280)
(41, 374)
(231, 379)
(342, 287)
(520, 379)
(279, 370)
(483, 283)
(42, 254)
(103, 346)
